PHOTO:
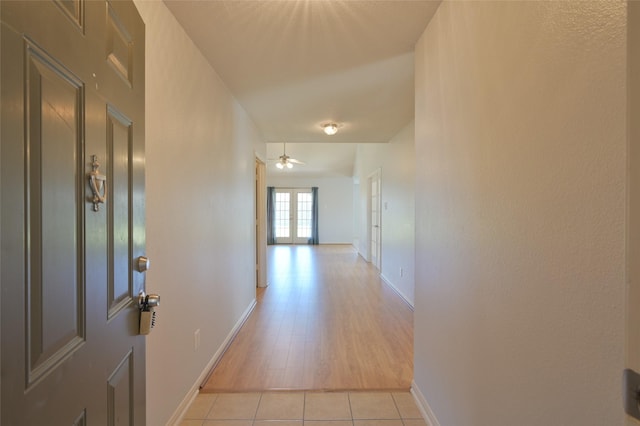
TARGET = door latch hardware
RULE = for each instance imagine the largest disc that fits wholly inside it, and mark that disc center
(631, 389)
(142, 298)
(97, 183)
(148, 300)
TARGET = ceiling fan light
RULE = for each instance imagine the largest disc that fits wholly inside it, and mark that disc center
(289, 165)
(279, 165)
(330, 129)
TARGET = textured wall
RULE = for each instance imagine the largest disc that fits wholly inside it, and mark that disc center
(395, 160)
(398, 212)
(200, 210)
(520, 210)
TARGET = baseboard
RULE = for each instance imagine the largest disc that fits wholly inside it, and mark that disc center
(202, 378)
(423, 406)
(398, 292)
(362, 255)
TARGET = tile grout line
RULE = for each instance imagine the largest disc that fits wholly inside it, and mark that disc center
(304, 406)
(395, 402)
(255, 413)
(261, 399)
(353, 421)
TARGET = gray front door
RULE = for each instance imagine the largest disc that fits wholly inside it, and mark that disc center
(72, 87)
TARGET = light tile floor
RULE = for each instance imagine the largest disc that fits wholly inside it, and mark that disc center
(304, 409)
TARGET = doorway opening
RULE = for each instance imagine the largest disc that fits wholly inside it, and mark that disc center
(293, 213)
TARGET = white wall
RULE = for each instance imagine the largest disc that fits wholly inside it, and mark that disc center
(398, 213)
(200, 210)
(335, 210)
(520, 213)
(396, 161)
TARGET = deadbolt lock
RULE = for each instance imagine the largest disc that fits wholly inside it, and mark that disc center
(143, 264)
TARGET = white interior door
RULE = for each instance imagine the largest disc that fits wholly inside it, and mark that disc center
(293, 215)
(72, 87)
(374, 219)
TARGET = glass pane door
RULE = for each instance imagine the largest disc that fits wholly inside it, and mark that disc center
(303, 213)
(283, 217)
(293, 210)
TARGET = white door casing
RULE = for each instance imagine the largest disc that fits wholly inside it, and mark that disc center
(374, 218)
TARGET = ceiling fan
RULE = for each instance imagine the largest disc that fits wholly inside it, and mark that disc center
(284, 161)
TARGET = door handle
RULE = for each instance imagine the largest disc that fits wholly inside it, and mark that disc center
(148, 300)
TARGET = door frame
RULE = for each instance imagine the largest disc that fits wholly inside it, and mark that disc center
(374, 258)
(261, 223)
(293, 214)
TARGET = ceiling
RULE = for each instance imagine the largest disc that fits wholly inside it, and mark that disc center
(297, 64)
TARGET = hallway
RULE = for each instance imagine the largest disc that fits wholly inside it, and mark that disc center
(326, 322)
(517, 209)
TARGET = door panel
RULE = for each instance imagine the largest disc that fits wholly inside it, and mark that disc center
(53, 221)
(120, 44)
(70, 349)
(119, 144)
(120, 396)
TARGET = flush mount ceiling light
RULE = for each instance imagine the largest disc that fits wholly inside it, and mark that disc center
(330, 128)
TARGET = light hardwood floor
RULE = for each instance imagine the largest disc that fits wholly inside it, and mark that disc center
(326, 322)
